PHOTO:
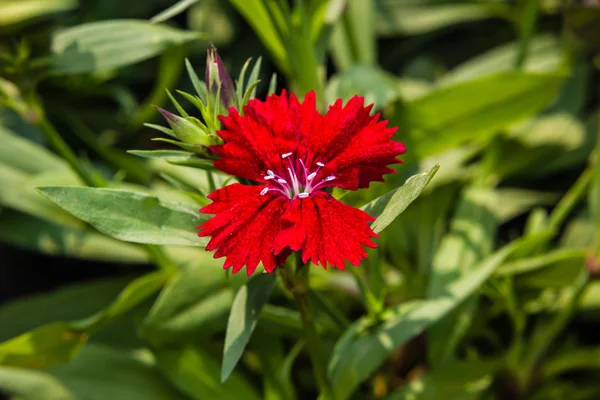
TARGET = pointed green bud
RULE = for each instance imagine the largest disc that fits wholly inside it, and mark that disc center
(186, 130)
(217, 79)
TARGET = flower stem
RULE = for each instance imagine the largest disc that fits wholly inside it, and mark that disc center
(313, 342)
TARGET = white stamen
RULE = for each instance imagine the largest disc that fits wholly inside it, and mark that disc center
(311, 176)
(303, 195)
(266, 178)
(264, 191)
(282, 181)
(286, 155)
(329, 178)
(269, 172)
(320, 164)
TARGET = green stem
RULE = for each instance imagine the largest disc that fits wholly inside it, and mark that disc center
(570, 199)
(63, 149)
(529, 15)
(312, 339)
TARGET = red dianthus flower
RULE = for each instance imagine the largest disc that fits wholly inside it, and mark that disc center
(294, 153)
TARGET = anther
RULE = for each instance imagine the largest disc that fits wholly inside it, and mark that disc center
(269, 172)
(329, 178)
(286, 155)
(266, 178)
(311, 176)
(320, 164)
(264, 191)
(303, 195)
(282, 181)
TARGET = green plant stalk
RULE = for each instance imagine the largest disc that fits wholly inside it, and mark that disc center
(63, 149)
(571, 198)
(529, 15)
(312, 339)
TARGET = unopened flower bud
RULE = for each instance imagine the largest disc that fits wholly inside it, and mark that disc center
(217, 77)
(185, 130)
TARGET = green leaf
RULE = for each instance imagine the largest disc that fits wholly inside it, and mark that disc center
(17, 153)
(69, 303)
(18, 193)
(364, 348)
(17, 11)
(543, 55)
(102, 372)
(394, 17)
(387, 207)
(465, 380)
(516, 202)
(471, 237)
(132, 295)
(174, 10)
(31, 385)
(476, 110)
(129, 216)
(48, 345)
(552, 258)
(195, 302)
(196, 373)
(112, 44)
(377, 86)
(169, 155)
(258, 17)
(245, 311)
(35, 234)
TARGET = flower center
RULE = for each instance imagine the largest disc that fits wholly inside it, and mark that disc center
(297, 180)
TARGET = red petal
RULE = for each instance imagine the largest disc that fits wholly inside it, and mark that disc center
(353, 145)
(255, 141)
(326, 230)
(244, 226)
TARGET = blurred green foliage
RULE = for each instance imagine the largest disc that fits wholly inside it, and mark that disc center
(484, 283)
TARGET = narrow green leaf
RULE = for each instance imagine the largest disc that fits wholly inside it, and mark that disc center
(272, 84)
(129, 216)
(43, 347)
(248, 302)
(377, 86)
(180, 109)
(133, 294)
(251, 85)
(111, 44)
(471, 237)
(387, 207)
(465, 380)
(30, 384)
(169, 155)
(17, 11)
(394, 18)
(570, 257)
(32, 233)
(162, 129)
(477, 109)
(199, 86)
(17, 153)
(173, 11)
(193, 303)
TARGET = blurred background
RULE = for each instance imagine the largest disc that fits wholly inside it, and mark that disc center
(502, 94)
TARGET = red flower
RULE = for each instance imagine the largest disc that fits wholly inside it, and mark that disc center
(294, 153)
